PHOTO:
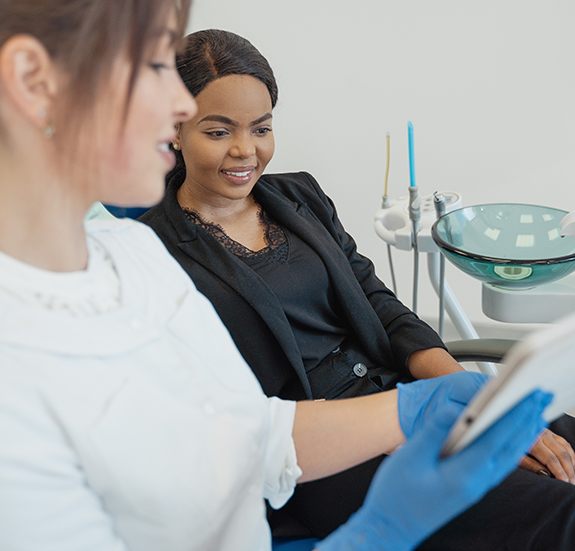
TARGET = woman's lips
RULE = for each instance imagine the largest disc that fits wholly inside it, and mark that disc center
(168, 155)
(238, 176)
(170, 159)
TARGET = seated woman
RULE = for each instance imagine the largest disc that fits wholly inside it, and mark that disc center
(302, 305)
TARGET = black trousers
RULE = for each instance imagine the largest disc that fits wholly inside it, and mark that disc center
(526, 512)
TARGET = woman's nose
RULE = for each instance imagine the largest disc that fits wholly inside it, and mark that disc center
(184, 104)
(243, 147)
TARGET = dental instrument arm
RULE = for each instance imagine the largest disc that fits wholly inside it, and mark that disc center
(385, 204)
(439, 204)
(415, 217)
(414, 212)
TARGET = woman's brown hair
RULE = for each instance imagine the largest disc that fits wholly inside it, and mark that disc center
(84, 37)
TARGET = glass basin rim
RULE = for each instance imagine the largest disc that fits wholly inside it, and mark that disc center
(493, 259)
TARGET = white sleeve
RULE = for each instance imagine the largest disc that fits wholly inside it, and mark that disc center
(281, 468)
(45, 502)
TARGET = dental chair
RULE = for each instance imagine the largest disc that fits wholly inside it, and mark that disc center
(104, 212)
(125, 212)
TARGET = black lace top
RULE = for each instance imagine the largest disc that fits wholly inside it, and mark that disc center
(298, 278)
(276, 249)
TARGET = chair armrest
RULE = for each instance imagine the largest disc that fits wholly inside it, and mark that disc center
(479, 350)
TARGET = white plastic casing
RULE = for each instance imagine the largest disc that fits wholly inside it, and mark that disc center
(392, 223)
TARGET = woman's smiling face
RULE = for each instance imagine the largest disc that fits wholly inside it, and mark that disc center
(229, 142)
(133, 150)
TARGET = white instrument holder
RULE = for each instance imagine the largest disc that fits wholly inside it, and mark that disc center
(392, 225)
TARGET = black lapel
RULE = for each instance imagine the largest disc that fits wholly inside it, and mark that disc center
(205, 250)
(298, 217)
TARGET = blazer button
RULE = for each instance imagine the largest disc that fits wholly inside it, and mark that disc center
(360, 370)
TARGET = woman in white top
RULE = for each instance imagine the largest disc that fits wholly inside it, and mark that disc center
(116, 431)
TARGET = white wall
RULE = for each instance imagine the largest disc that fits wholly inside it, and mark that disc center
(489, 85)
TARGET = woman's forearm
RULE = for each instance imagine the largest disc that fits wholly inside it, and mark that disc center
(333, 435)
(432, 362)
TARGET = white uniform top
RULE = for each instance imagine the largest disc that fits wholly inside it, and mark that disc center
(128, 419)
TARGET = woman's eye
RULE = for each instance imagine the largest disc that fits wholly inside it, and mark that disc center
(159, 66)
(263, 130)
(217, 133)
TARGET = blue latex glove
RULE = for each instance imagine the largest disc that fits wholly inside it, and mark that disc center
(417, 401)
(415, 492)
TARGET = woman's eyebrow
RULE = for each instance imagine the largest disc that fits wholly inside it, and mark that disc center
(261, 119)
(172, 36)
(219, 118)
(231, 122)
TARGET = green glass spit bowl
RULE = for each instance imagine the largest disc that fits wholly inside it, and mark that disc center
(510, 245)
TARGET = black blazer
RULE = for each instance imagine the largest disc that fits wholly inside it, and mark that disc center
(387, 331)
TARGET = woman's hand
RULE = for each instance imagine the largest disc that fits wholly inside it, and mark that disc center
(551, 455)
(422, 399)
(416, 491)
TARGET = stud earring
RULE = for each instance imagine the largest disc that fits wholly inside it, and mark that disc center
(176, 146)
(49, 131)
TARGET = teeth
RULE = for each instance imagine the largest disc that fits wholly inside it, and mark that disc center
(164, 146)
(238, 174)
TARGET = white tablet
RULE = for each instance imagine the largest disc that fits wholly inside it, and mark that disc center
(545, 359)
